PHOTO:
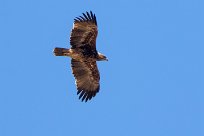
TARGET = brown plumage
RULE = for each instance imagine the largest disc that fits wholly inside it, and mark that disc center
(84, 55)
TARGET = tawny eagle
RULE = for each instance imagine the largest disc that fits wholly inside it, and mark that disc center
(84, 55)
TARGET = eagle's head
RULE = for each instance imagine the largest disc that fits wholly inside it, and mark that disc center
(101, 57)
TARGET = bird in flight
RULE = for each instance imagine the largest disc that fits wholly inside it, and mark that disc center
(84, 55)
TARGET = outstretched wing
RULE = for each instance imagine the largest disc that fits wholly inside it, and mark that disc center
(84, 31)
(87, 78)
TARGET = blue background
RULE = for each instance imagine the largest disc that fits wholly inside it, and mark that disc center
(152, 84)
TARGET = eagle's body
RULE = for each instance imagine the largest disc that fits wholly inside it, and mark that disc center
(84, 55)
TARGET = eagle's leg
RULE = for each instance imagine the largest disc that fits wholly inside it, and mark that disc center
(61, 51)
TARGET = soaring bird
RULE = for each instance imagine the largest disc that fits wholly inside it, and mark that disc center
(84, 55)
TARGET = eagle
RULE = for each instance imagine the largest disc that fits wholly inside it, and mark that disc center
(84, 55)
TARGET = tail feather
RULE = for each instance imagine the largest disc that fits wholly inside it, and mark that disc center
(60, 51)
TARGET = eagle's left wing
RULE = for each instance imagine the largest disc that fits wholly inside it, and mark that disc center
(87, 78)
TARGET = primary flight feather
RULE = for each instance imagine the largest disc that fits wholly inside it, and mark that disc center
(84, 55)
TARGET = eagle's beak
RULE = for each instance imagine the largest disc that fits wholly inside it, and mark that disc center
(106, 59)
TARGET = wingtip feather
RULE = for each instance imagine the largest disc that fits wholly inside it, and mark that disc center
(87, 16)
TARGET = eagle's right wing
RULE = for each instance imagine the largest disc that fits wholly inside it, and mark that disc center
(84, 31)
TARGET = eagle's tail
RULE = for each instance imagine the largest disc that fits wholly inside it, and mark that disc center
(61, 51)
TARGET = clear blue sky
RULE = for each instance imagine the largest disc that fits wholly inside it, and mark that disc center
(152, 85)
